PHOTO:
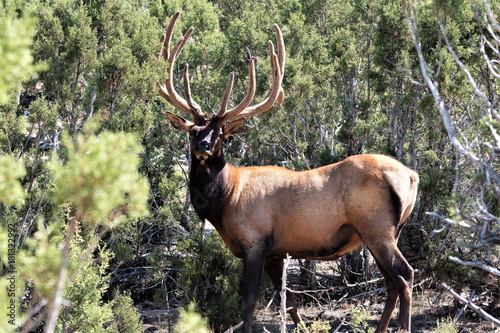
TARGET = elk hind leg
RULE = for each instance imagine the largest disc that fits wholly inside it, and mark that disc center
(398, 276)
(390, 303)
(274, 269)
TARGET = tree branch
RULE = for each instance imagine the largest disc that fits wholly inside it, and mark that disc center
(473, 306)
(477, 264)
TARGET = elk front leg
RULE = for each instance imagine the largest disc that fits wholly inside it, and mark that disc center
(253, 263)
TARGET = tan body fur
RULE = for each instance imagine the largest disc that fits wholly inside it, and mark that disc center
(312, 206)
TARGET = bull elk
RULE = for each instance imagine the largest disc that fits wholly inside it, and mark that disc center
(262, 213)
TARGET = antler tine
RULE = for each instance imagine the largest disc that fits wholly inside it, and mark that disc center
(180, 45)
(167, 90)
(281, 48)
(276, 91)
(225, 98)
(250, 93)
(281, 60)
(167, 37)
(163, 51)
(187, 91)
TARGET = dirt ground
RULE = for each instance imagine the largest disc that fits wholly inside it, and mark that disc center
(428, 308)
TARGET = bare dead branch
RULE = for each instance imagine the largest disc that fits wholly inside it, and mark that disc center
(448, 223)
(464, 69)
(362, 294)
(491, 65)
(473, 306)
(55, 304)
(283, 308)
(34, 316)
(359, 284)
(433, 86)
(491, 15)
(231, 330)
(476, 264)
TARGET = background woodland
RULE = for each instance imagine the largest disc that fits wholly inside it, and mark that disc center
(94, 178)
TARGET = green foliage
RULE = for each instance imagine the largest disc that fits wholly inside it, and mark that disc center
(443, 7)
(11, 192)
(211, 277)
(65, 41)
(190, 321)
(100, 61)
(105, 169)
(127, 318)
(14, 128)
(86, 311)
(448, 271)
(359, 323)
(324, 156)
(446, 325)
(101, 176)
(17, 59)
(41, 260)
(317, 326)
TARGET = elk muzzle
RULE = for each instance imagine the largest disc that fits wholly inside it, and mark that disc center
(204, 142)
(203, 147)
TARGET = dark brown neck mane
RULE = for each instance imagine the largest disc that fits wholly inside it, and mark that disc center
(208, 187)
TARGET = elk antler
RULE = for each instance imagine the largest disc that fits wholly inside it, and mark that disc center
(226, 115)
(275, 93)
(167, 90)
(242, 110)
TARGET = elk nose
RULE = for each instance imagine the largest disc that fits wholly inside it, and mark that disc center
(203, 146)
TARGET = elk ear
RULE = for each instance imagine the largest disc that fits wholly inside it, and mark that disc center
(178, 122)
(233, 127)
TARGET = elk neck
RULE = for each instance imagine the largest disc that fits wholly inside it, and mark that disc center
(209, 187)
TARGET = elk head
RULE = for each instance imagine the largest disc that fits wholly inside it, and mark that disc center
(208, 132)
